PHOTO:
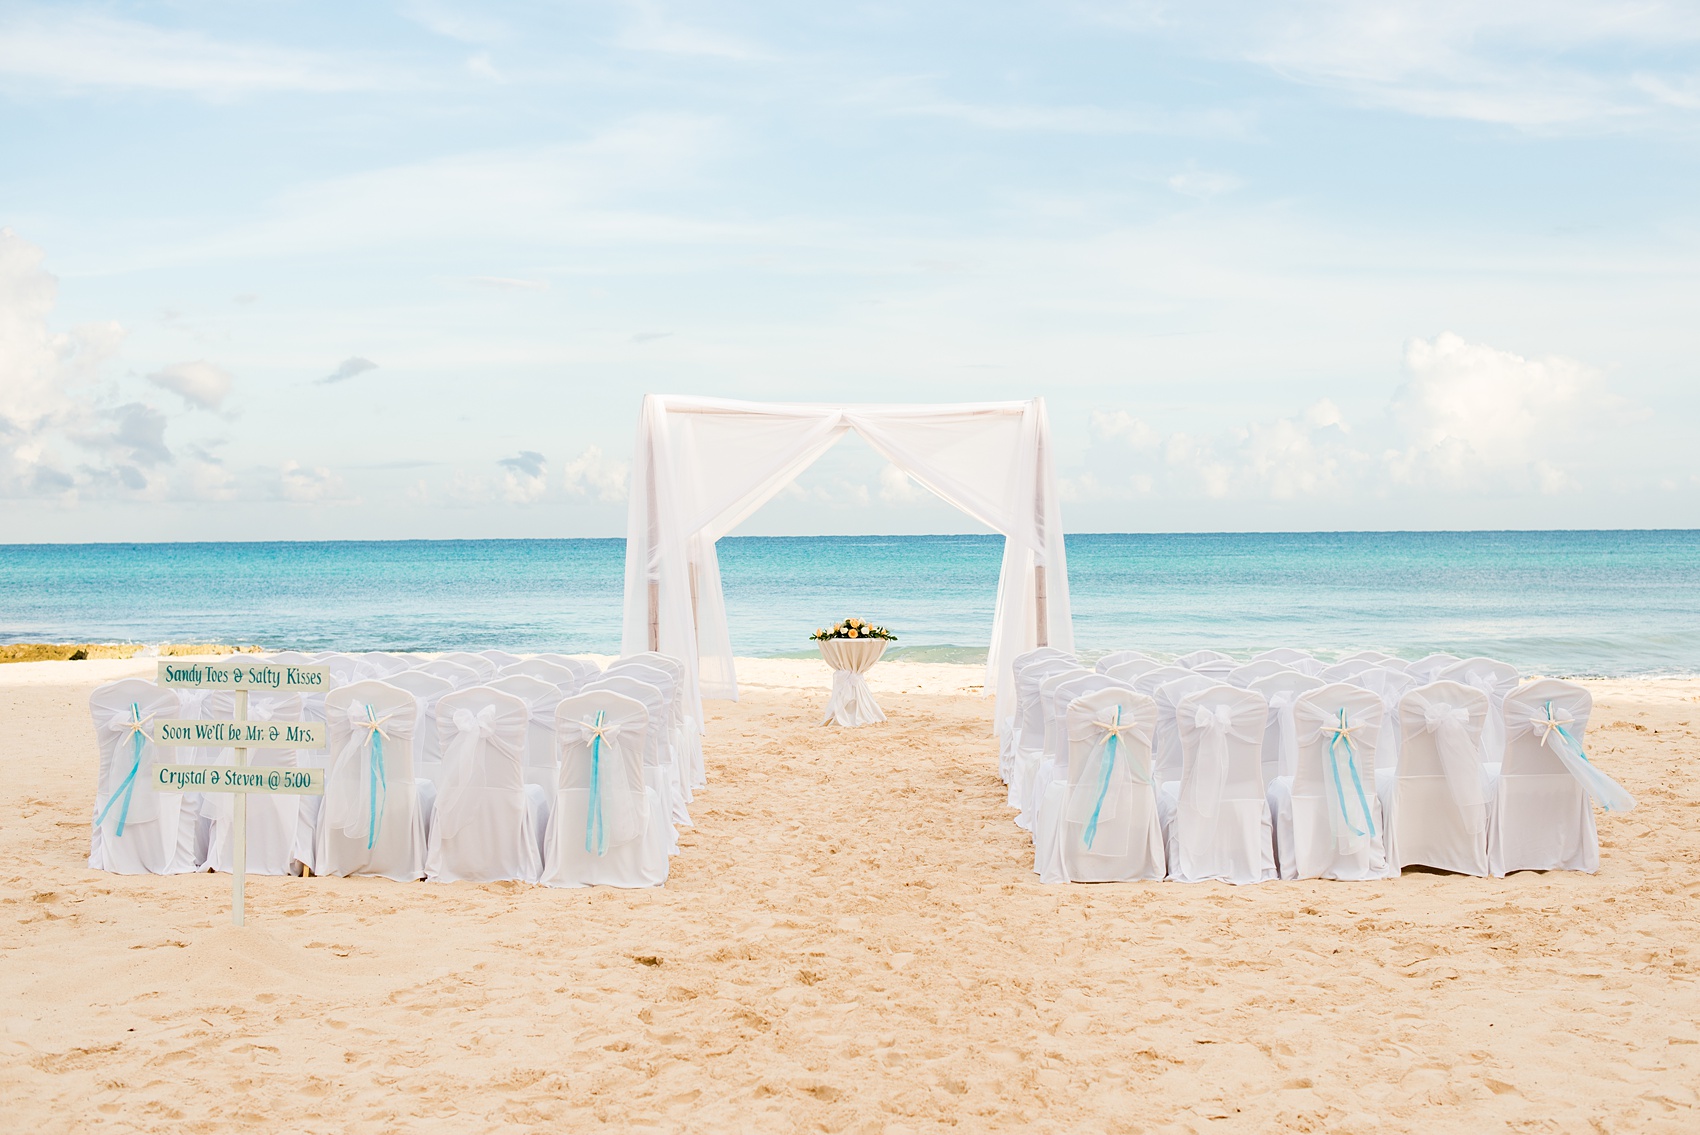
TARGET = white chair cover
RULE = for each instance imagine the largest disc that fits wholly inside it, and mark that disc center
(1167, 741)
(377, 809)
(477, 663)
(657, 768)
(1099, 823)
(1199, 657)
(1390, 682)
(1026, 739)
(383, 664)
(1131, 668)
(566, 679)
(1216, 819)
(1344, 669)
(1438, 803)
(689, 741)
(1285, 655)
(852, 704)
(290, 657)
(500, 659)
(274, 822)
(487, 826)
(586, 668)
(666, 730)
(429, 689)
(1374, 657)
(136, 830)
(1427, 669)
(1280, 736)
(1009, 728)
(344, 668)
(1543, 818)
(1245, 676)
(1495, 679)
(607, 826)
(540, 700)
(458, 676)
(1148, 682)
(1329, 823)
(1053, 763)
(1117, 657)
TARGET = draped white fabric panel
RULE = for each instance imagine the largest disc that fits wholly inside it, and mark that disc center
(703, 465)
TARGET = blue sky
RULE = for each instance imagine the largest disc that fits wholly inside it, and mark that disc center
(323, 271)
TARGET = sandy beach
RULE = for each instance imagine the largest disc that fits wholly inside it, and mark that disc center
(852, 940)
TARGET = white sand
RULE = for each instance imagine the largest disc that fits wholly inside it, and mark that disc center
(852, 940)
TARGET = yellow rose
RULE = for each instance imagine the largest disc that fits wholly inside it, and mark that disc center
(854, 623)
(852, 632)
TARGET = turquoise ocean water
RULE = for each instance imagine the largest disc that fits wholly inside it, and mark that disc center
(1578, 603)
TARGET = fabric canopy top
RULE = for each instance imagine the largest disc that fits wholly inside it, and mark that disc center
(703, 465)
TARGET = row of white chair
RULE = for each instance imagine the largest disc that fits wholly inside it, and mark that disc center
(410, 747)
(1260, 774)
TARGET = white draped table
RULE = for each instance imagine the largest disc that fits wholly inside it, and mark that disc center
(852, 702)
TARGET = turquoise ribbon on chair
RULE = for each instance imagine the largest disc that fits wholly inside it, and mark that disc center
(1105, 768)
(375, 779)
(1608, 793)
(1342, 734)
(595, 829)
(138, 738)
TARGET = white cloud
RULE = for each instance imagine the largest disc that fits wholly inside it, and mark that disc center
(915, 97)
(1533, 64)
(198, 383)
(654, 30)
(311, 484)
(896, 487)
(1472, 413)
(525, 477)
(592, 474)
(1202, 184)
(348, 368)
(1470, 419)
(85, 50)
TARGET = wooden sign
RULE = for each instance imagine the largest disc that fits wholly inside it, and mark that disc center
(246, 734)
(265, 677)
(248, 778)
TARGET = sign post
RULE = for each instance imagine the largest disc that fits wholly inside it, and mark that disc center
(241, 735)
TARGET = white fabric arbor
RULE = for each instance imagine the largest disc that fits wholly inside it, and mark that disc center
(703, 465)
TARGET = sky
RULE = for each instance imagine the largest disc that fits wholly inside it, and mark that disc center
(299, 270)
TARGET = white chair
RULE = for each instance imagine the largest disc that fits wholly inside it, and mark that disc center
(1216, 819)
(1329, 823)
(608, 827)
(137, 830)
(1199, 657)
(290, 658)
(1117, 657)
(500, 659)
(1426, 669)
(1280, 736)
(1166, 740)
(585, 668)
(1148, 682)
(540, 700)
(1246, 676)
(1374, 657)
(1344, 669)
(1285, 655)
(1027, 733)
(429, 689)
(1390, 683)
(1010, 727)
(1053, 765)
(1543, 810)
(657, 768)
(1437, 813)
(477, 663)
(1495, 679)
(488, 823)
(458, 676)
(692, 771)
(383, 664)
(377, 808)
(566, 680)
(1100, 823)
(274, 822)
(1131, 668)
(344, 668)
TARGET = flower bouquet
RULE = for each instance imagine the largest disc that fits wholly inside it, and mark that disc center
(853, 628)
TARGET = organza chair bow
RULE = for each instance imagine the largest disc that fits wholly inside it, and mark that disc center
(613, 812)
(1281, 703)
(1109, 774)
(134, 730)
(1203, 780)
(1550, 725)
(477, 739)
(359, 789)
(1460, 760)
